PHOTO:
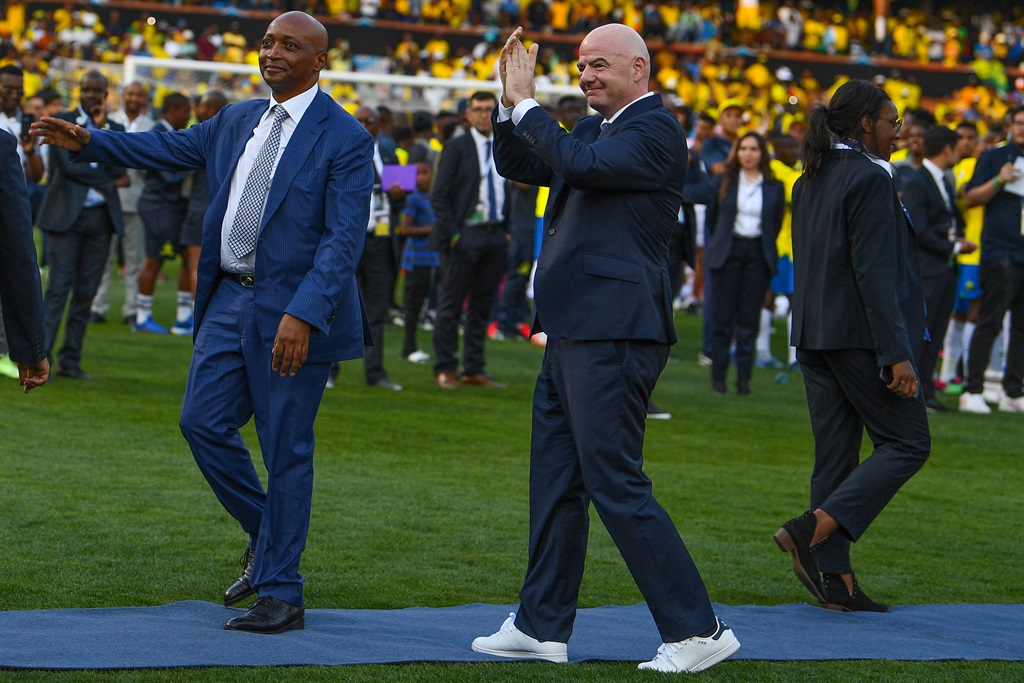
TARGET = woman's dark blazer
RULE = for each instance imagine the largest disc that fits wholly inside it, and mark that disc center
(721, 216)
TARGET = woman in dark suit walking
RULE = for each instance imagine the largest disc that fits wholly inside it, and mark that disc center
(858, 316)
(743, 222)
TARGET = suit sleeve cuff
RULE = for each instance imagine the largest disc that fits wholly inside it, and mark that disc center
(520, 111)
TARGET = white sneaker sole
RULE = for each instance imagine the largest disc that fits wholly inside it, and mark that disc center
(514, 654)
(728, 649)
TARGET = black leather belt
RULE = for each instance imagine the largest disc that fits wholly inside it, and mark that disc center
(486, 226)
(244, 279)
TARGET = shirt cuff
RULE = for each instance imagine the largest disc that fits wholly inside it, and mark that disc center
(520, 111)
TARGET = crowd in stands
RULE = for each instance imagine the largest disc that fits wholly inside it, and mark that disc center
(718, 97)
(949, 34)
(703, 82)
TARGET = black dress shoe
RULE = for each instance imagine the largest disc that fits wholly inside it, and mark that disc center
(743, 388)
(242, 588)
(718, 386)
(73, 373)
(269, 615)
(934, 405)
(838, 598)
(795, 538)
(97, 318)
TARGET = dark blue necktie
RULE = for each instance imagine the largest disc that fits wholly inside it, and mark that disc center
(492, 195)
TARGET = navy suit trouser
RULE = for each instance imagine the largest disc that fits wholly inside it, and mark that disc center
(940, 296)
(1002, 290)
(739, 286)
(376, 276)
(473, 270)
(230, 382)
(76, 259)
(844, 396)
(589, 408)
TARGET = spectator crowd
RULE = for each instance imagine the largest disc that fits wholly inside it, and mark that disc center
(720, 99)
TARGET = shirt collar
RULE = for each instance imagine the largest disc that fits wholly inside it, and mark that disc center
(936, 172)
(619, 112)
(295, 106)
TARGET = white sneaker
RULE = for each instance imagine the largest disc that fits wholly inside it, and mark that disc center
(1011, 405)
(973, 403)
(418, 356)
(512, 643)
(696, 653)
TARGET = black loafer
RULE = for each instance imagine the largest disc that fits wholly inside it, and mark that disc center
(838, 598)
(269, 615)
(795, 538)
(242, 588)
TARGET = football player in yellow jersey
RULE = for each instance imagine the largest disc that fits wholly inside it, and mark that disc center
(786, 167)
(968, 290)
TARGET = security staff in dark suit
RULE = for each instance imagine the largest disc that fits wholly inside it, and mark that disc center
(376, 270)
(939, 228)
(471, 228)
(858, 318)
(80, 213)
(740, 257)
(602, 297)
(20, 289)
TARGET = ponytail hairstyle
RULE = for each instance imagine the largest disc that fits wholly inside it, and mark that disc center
(840, 119)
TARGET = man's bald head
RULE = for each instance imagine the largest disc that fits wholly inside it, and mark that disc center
(615, 67)
(293, 52)
(306, 23)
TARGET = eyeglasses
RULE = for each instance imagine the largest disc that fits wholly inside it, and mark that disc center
(481, 110)
(896, 125)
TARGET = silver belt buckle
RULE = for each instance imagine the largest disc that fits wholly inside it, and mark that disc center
(247, 280)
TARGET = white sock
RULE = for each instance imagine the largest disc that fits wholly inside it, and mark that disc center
(952, 349)
(789, 338)
(145, 308)
(184, 306)
(968, 335)
(764, 334)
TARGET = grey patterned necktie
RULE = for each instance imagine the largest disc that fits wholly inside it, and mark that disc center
(246, 226)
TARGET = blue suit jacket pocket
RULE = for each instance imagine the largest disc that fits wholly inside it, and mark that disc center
(611, 266)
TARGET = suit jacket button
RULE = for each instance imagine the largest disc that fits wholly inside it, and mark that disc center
(551, 231)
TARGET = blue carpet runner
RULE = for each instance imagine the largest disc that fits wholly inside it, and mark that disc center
(190, 634)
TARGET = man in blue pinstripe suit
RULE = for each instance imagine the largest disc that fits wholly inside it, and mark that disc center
(289, 181)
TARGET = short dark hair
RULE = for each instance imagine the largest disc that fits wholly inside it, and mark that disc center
(480, 95)
(967, 124)
(94, 75)
(706, 118)
(175, 100)
(12, 70)
(937, 139)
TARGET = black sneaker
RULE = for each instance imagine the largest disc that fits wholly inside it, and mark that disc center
(838, 598)
(795, 538)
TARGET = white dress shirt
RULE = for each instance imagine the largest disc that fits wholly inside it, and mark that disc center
(296, 108)
(749, 202)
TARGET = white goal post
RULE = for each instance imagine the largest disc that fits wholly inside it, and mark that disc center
(242, 81)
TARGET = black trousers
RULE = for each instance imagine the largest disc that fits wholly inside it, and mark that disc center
(514, 308)
(473, 270)
(589, 410)
(417, 285)
(375, 273)
(1002, 290)
(940, 296)
(739, 287)
(845, 395)
(77, 258)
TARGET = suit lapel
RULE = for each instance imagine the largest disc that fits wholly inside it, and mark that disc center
(299, 146)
